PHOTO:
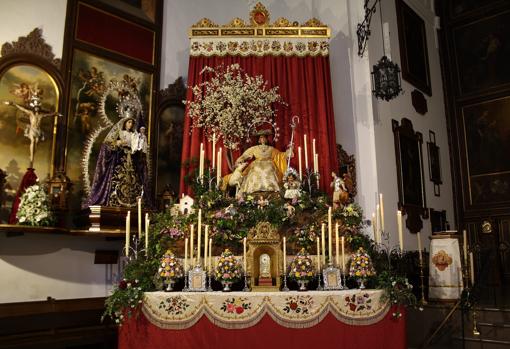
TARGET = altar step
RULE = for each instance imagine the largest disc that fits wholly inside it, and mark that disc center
(492, 323)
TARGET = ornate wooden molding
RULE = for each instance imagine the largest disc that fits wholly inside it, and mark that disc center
(175, 92)
(33, 44)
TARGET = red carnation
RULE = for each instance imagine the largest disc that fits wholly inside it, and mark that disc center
(293, 305)
(123, 285)
(239, 310)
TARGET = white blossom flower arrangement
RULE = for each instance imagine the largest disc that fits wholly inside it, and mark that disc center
(34, 208)
(229, 102)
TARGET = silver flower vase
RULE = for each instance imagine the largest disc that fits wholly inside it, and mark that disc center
(226, 286)
(302, 285)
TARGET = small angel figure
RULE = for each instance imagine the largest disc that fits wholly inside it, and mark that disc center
(340, 194)
(290, 209)
(261, 202)
(291, 185)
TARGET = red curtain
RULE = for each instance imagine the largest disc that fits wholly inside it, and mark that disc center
(139, 333)
(304, 83)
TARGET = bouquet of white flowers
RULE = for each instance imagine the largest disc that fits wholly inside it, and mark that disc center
(34, 208)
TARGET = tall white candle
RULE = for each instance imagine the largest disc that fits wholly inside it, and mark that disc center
(201, 161)
(400, 232)
(185, 254)
(337, 244)
(418, 237)
(139, 204)
(343, 254)
(214, 150)
(330, 237)
(381, 203)
(317, 168)
(284, 254)
(386, 36)
(147, 222)
(210, 254)
(206, 239)
(218, 170)
(199, 236)
(191, 247)
(306, 152)
(323, 243)
(318, 255)
(472, 268)
(378, 218)
(244, 255)
(126, 248)
(300, 164)
(314, 151)
(374, 228)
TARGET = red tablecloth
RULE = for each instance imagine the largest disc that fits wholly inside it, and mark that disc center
(139, 333)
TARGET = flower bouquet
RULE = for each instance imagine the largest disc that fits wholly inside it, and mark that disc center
(170, 269)
(361, 266)
(301, 269)
(34, 208)
(228, 270)
(304, 237)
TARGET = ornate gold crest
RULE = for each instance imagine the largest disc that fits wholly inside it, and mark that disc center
(259, 16)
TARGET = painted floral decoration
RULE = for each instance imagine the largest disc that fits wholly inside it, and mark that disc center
(228, 268)
(176, 305)
(235, 305)
(361, 265)
(301, 268)
(34, 208)
(442, 260)
(298, 304)
(358, 302)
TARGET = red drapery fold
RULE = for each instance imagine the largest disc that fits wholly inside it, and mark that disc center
(139, 333)
(304, 83)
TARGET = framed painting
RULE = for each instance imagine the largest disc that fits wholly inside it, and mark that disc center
(411, 186)
(101, 93)
(481, 50)
(414, 56)
(29, 98)
(487, 151)
(434, 163)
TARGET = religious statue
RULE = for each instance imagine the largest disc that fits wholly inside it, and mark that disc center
(340, 194)
(260, 168)
(291, 185)
(121, 167)
(265, 265)
(35, 116)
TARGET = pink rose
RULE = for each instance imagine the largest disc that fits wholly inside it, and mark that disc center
(230, 308)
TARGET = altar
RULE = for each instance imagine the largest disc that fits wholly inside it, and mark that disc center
(349, 318)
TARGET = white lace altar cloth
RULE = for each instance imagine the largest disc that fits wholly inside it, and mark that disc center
(237, 310)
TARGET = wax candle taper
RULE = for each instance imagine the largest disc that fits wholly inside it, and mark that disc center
(323, 243)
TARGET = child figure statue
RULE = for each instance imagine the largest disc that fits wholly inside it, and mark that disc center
(340, 193)
(291, 185)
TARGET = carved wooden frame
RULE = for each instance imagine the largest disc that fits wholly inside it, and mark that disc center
(415, 207)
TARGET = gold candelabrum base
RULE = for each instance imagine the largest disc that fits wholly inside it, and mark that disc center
(422, 284)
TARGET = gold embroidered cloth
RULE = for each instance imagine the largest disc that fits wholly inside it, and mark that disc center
(237, 310)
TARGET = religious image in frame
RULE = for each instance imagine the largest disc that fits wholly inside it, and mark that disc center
(487, 150)
(482, 49)
(413, 48)
(29, 100)
(102, 92)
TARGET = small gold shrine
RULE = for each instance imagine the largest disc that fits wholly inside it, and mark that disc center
(264, 257)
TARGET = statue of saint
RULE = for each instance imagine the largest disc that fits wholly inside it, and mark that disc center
(260, 168)
(265, 266)
(340, 194)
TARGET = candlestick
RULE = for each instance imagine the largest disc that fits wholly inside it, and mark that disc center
(127, 234)
(323, 243)
(201, 162)
(314, 152)
(206, 239)
(147, 222)
(343, 254)
(337, 244)
(378, 218)
(374, 228)
(330, 237)
(464, 247)
(284, 255)
(306, 153)
(244, 255)
(139, 204)
(472, 268)
(185, 255)
(199, 236)
(381, 203)
(316, 162)
(418, 236)
(191, 242)
(214, 150)
(400, 232)
(318, 255)
(300, 165)
(218, 170)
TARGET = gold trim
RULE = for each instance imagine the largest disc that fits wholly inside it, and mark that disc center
(260, 27)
